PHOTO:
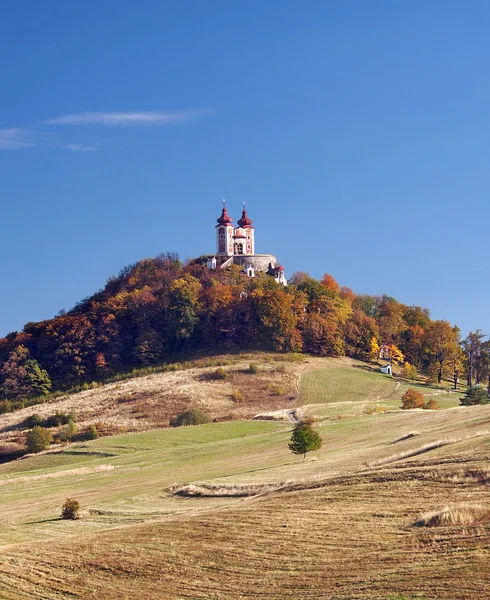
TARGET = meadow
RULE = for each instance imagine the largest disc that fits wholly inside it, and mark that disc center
(338, 525)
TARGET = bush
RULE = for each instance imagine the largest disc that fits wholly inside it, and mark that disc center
(253, 368)
(431, 404)
(475, 395)
(38, 439)
(218, 375)
(237, 396)
(276, 390)
(71, 509)
(193, 416)
(32, 421)
(59, 418)
(92, 433)
(412, 399)
(68, 432)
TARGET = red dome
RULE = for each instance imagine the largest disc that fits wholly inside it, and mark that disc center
(281, 268)
(225, 219)
(244, 220)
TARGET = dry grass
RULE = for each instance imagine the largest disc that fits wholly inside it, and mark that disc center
(351, 539)
(449, 516)
(225, 491)
(150, 402)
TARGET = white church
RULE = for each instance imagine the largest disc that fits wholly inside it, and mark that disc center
(236, 245)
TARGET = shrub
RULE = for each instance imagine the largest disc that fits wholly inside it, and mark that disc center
(59, 418)
(71, 509)
(281, 369)
(92, 433)
(5, 406)
(375, 410)
(218, 375)
(32, 421)
(38, 439)
(193, 416)
(237, 396)
(68, 432)
(431, 404)
(253, 368)
(276, 390)
(474, 395)
(412, 399)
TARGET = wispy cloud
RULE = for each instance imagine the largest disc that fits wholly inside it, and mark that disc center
(125, 118)
(80, 147)
(12, 139)
(44, 135)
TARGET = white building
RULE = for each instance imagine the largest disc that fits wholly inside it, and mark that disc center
(237, 245)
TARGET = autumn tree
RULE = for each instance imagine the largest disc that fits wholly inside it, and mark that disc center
(440, 346)
(360, 332)
(412, 399)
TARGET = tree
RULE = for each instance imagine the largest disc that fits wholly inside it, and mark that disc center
(305, 439)
(441, 346)
(475, 357)
(22, 376)
(38, 439)
(409, 372)
(412, 399)
(395, 354)
(71, 509)
(474, 395)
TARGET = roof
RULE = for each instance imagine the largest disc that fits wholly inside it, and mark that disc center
(244, 221)
(225, 218)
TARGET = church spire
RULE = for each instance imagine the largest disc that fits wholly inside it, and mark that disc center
(225, 219)
(244, 221)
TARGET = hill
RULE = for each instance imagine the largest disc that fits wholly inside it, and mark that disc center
(160, 311)
(224, 510)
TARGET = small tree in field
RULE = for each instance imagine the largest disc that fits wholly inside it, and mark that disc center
(475, 395)
(305, 439)
(70, 509)
(412, 399)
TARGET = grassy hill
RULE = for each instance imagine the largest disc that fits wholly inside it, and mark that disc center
(340, 526)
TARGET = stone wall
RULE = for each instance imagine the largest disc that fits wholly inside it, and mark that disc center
(260, 262)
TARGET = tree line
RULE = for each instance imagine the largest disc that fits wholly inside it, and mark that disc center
(161, 307)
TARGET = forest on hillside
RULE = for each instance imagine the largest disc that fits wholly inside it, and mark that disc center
(161, 307)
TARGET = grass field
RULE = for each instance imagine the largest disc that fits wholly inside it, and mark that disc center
(340, 526)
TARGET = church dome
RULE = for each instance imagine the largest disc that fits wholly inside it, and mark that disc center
(244, 220)
(225, 219)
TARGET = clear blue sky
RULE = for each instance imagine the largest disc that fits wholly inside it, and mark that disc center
(357, 132)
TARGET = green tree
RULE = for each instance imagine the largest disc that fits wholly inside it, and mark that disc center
(474, 395)
(22, 376)
(305, 439)
(38, 439)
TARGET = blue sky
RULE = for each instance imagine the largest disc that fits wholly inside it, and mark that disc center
(357, 132)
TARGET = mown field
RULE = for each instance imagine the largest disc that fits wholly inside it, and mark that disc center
(338, 526)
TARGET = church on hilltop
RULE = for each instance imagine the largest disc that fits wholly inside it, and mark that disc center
(236, 245)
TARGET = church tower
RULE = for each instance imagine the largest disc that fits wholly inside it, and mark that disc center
(224, 234)
(243, 238)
